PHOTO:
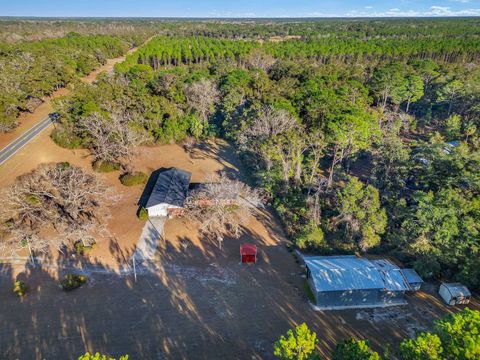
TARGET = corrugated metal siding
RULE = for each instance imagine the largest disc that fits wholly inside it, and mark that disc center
(348, 298)
(348, 281)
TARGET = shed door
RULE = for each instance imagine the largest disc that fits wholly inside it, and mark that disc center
(248, 258)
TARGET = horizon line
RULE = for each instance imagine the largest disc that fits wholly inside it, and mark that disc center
(237, 18)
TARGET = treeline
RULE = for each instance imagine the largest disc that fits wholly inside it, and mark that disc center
(32, 70)
(354, 157)
(164, 51)
(36, 29)
(455, 336)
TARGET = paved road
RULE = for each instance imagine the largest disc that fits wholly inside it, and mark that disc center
(10, 150)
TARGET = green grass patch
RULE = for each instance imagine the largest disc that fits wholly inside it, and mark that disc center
(133, 179)
(82, 249)
(105, 166)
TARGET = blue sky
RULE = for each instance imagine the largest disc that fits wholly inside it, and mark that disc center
(248, 8)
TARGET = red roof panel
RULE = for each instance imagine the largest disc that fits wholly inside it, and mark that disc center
(248, 249)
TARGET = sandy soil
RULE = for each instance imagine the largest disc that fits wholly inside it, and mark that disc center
(199, 303)
(124, 225)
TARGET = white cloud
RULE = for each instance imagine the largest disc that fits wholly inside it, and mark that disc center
(446, 11)
(368, 7)
(433, 11)
(229, 14)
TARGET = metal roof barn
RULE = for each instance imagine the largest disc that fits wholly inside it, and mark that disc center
(339, 282)
(169, 192)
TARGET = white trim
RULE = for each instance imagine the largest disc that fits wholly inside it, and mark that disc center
(346, 307)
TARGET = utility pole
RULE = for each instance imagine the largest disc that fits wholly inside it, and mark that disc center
(134, 268)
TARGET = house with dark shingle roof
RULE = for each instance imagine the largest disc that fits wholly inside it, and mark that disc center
(169, 193)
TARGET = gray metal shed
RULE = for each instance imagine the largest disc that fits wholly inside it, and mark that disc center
(339, 282)
(454, 293)
(413, 279)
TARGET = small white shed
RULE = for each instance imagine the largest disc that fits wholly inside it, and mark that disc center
(454, 293)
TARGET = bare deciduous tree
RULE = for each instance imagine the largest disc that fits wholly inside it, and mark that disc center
(202, 96)
(189, 144)
(113, 138)
(260, 60)
(223, 206)
(53, 206)
(269, 122)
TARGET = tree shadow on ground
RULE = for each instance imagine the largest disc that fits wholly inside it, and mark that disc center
(190, 302)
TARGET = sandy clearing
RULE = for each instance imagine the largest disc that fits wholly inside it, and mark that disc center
(124, 226)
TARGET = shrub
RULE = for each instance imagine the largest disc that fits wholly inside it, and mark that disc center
(81, 248)
(427, 267)
(32, 199)
(105, 166)
(299, 344)
(135, 178)
(352, 349)
(311, 237)
(72, 282)
(143, 214)
(19, 288)
(66, 139)
(98, 356)
(424, 346)
(460, 335)
(172, 130)
(64, 165)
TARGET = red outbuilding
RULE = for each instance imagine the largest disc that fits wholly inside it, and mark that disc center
(248, 253)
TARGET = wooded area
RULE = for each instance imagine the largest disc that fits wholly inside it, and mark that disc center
(31, 70)
(362, 133)
(361, 144)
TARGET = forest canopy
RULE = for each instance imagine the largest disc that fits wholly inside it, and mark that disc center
(363, 134)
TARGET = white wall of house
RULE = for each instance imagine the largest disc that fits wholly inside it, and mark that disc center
(160, 209)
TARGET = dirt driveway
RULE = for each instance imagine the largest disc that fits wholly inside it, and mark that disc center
(199, 303)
